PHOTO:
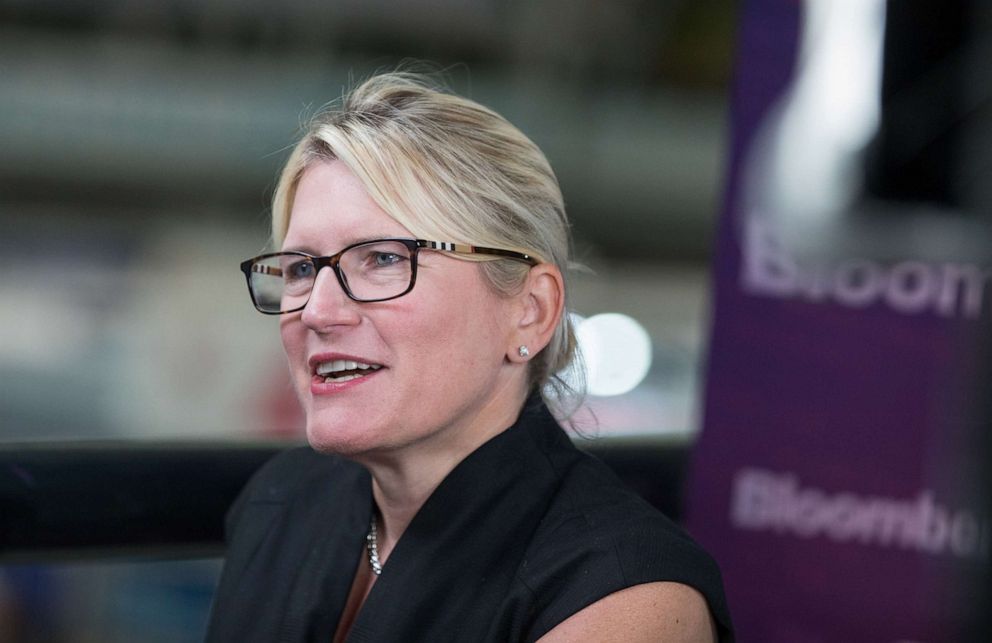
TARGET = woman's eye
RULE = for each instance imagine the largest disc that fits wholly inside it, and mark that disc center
(299, 270)
(383, 259)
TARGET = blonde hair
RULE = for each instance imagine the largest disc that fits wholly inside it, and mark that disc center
(449, 169)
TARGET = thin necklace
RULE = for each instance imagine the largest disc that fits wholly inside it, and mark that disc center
(373, 547)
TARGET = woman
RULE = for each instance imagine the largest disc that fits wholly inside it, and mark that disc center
(440, 501)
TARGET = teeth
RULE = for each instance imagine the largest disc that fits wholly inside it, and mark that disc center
(335, 366)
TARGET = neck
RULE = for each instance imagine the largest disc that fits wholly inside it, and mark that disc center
(403, 480)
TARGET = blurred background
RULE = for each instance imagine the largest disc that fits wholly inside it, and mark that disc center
(784, 209)
(140, 141)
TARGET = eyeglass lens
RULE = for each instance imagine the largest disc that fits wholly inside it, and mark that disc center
(370, 271)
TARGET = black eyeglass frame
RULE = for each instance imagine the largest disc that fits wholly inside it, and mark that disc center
(249, 266)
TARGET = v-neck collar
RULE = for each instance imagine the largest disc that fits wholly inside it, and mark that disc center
(445, 571)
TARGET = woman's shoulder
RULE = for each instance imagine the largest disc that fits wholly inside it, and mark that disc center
(599, 537)
(287, 477)
(592, 509)
(283, 517)
(661, 611)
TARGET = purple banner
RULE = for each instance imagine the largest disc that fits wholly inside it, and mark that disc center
(827, 480)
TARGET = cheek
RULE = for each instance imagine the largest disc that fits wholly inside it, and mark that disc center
(476, 339)
(291, 333)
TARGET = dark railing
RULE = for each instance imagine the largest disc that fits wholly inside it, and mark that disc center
(104, 500)
(95, 500)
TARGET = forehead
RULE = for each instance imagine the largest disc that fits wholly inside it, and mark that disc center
(332, 209)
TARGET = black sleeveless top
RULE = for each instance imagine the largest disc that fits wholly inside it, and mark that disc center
(523, 533)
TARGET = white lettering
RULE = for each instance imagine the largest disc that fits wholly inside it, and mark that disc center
(767, 269)
(764, 500)
(857, 283)
(965, 282)
(908, 287)
(964, 535)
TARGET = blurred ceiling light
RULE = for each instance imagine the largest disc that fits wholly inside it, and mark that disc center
(616, 351)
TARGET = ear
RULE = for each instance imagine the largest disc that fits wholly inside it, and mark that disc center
(541, 303)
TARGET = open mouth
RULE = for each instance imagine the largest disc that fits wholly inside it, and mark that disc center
(343, 370)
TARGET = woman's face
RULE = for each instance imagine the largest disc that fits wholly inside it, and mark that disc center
(437, 355)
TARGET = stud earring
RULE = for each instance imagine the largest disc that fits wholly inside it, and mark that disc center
(523, 351)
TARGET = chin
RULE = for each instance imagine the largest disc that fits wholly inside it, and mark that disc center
(341, 437)
(326, 439)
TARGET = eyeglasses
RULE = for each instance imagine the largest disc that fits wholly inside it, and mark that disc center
(281, 282)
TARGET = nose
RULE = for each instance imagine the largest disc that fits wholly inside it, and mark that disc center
(329, 305)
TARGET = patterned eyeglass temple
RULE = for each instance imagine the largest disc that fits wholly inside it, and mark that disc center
(463, 248)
